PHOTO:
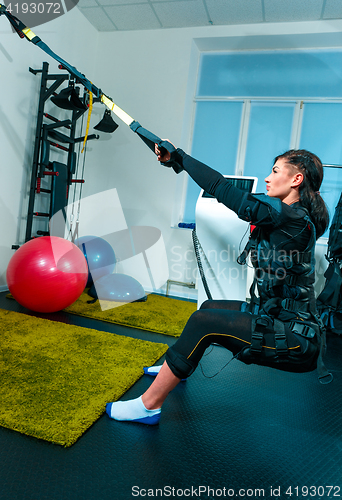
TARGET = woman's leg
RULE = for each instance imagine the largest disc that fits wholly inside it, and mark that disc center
(166, 381)
(199, 325)
(228, 305)
(158, 391)
(204, 327)
(229, 328)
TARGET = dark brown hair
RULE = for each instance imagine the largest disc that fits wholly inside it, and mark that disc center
(311, 167)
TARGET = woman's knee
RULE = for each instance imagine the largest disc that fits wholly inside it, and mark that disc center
(227, 305)
(207, 304)
(199, 319)
(179, 364)
(215, 304)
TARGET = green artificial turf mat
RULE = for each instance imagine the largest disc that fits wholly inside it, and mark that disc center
(57, 378)
(158, 314)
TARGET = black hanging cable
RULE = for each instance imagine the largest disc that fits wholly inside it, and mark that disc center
(78, 159)
(221, 369)
(80, 196)
(72, 216)
(199, 264)
(82, 176)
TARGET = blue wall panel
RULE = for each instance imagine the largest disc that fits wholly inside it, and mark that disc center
(269, 135)
(272, 74)
(322, 134)
(215, 142)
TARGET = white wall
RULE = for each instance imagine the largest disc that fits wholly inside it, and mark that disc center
(71, 37)
(151, 75)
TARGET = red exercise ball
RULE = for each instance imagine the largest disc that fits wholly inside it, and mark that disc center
(47, 274)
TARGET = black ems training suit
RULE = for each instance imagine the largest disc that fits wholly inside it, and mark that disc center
(280, 327)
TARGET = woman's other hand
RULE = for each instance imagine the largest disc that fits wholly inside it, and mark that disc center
(163, 155)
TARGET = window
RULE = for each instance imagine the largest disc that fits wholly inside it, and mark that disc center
(252, 106)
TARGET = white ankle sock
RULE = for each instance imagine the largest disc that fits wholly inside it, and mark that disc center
(152, 370)
(133, 410)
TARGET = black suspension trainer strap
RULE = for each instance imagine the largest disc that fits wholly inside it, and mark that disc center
(263, 324)
(149, 139)
(324, 376)
(259, 324)
(331, 292)
(280, 338)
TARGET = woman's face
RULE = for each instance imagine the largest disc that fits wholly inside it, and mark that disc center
(282, 180)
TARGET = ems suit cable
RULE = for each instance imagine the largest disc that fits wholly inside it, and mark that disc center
(199, 264)
(220, 370)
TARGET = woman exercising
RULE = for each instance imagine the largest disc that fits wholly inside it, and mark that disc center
(279, 327)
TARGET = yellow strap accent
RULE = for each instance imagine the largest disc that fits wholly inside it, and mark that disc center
(118, 111)
(88, 120)
(28, 33)
(232, 336)
(104, 99)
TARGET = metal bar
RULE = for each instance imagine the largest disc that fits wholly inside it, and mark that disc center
(54, 144)
(35, 160)
(179, 283)
(47, 172)
(58, 124)
(61, 123)
(89, 138)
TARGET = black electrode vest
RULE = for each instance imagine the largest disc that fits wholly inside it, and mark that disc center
(283, 278)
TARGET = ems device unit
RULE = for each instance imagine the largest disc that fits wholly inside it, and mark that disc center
(222, 236)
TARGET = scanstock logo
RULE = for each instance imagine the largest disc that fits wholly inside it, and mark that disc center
(35, 12)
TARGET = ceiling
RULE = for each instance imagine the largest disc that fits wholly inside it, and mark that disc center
(128, 15)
